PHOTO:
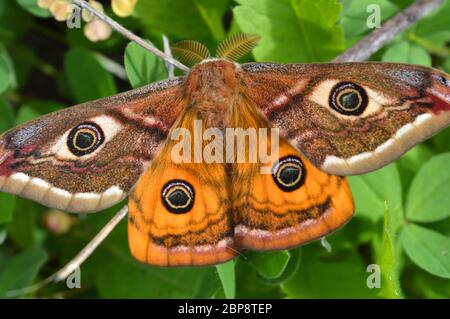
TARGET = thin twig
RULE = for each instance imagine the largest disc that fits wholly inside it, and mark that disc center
(129, 35)
(64, 272)
(168, 52)
(378, 38)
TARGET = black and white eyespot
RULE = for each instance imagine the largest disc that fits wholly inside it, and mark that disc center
(85, 138)
(178, 196)
(348, 98)
(289, 173)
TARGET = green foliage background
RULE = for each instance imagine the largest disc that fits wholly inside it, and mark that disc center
(402, 221)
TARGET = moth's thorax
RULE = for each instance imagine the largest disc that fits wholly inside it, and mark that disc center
(212, 88)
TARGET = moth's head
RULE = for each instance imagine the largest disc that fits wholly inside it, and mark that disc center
(191, 52)
(212, 74)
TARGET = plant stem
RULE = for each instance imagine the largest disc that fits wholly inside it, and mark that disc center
(90, 247)
(129, 35)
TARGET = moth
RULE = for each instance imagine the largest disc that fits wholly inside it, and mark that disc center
(333, 119)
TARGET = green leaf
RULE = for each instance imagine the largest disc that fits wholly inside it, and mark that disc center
(187, 20)
(329, 276)
(354, 18)
(23, 61)
(446, 65)
(144, 281)
(6, 117)
(421, 284)
(21, 230)
(357, 232)
(34, 109)
(427, 249)
(371, 192)
(411, 162)
(435, 27)
(250, 285)
(440, 141)
(292, 30)
(405, 52)
(7, 74)
(4, 75)
(289, 271)
(20, 271)
(388, 261)
(88, 80)
(270, 264)
(227, 277)
(212, 12)
(143, 67)
(7, 204)
(14, 21)
(442, 226)
(321, 19)
(427, 200)
(32, 7)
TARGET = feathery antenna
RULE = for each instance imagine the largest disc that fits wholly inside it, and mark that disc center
(190, 52)
(236, 46)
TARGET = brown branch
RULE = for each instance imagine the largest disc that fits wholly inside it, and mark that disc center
(380, 37)
(129, 35)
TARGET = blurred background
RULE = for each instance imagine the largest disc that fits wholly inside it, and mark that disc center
(402, 223)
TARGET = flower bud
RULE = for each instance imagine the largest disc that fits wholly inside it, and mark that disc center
(57, 222)
(61, 9)
(123, 8)
(44, 4)
(97, 30)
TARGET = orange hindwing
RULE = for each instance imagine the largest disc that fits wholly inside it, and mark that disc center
(183, 214)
